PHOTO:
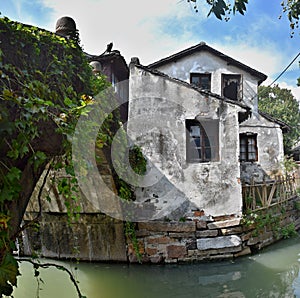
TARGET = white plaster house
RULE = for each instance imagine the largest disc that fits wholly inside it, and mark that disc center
(195, 116)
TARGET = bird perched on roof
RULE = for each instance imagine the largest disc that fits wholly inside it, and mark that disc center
(108, 48)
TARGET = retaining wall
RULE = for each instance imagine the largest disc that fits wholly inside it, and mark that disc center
(206, 238)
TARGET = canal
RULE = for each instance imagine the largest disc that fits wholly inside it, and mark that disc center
(274, 272)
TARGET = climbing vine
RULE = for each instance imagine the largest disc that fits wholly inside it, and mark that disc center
(260, 220)
(45, 85)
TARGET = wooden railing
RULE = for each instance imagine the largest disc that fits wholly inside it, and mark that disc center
(268, 192)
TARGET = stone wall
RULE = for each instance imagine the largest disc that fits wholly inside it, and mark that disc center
(206, 238)
(94, 237)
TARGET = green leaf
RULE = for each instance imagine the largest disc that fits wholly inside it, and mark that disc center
(9, 270)
(39, 159)
(68, 102)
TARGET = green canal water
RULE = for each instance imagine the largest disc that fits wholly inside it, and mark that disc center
(272, 273)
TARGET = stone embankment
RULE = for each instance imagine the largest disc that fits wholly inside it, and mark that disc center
(205, 238)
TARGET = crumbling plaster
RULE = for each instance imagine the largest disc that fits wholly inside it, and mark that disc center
(158, 108)
(205, 62)
(270, 148)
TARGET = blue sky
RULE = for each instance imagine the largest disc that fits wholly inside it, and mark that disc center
(155, 29)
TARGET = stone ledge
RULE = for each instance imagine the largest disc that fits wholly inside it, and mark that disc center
(158, 226)
(224, 224)
(206, 233)
(231, 231)
(211, 252)
(219, 242)
(244, 252)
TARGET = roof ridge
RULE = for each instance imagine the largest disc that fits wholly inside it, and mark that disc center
(203, 46)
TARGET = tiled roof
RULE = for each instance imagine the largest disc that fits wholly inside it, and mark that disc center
(202, 46)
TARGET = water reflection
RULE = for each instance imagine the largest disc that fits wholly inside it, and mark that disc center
(273, 273)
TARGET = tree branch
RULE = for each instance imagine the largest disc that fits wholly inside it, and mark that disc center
(59, 267)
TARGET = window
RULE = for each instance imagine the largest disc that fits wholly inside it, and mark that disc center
(231, 86)
(202, 140)
(201, 80)
(248, 147)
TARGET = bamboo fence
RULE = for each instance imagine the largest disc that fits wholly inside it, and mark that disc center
(268, 192)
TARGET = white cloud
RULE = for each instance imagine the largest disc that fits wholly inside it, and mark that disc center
(263, 59)
(132, 25)
(138, 28)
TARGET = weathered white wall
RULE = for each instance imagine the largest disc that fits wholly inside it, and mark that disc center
(270, 148)
(202, 62)
(270, 140)
(158, 108)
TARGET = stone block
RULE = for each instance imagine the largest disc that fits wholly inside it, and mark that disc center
(224, 224)
(211, 252)
(190, 243)
(224, 217)
(201, 224)
(231, 231)
(245, 251)
(266, 242)
(192, 252)
(230, 249)
(176, 251)
(253, 240)
(221, 257)
(182, 235)
(142, 233)
(265, 236)
(170, 261)
(218, 242)
(161, 226)
(151, 251)
(206, 233)
(156, 259)
(158, 240)
(246, 237)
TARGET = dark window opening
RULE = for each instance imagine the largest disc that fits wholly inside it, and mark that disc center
(248, 147)
(231, 86)
(202, 140)
(201, 80)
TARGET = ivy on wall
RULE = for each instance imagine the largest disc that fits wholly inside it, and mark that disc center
(45, 84)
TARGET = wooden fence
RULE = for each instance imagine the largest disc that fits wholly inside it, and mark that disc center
(268, 192)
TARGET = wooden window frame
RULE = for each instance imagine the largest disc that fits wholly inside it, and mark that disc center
(201, 148)
(200, 76)
(248, 147)
(239, 91)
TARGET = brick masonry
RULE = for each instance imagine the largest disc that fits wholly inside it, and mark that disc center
(204, 238)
